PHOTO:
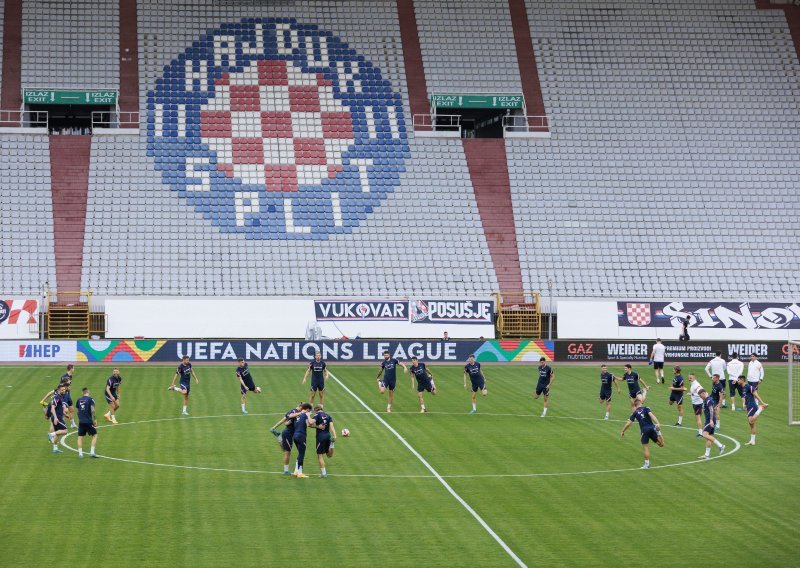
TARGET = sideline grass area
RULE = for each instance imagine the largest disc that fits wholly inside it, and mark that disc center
(729, 511)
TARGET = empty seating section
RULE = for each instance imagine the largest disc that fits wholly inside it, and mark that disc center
(672, 170)
(70, 45)
(142, 238)
(467, 47)
(425, 239)
(26, 217)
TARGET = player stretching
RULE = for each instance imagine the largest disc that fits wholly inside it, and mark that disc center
(735, 368)
(634, 390)
(299, 438)
(755, 374)
(45, 402)
(319, 374)
(56, 415)
(717, 366)
(710, 410)
(717, 394)
(245, 382)
(752, 407)
(66, 379)
(389, 371)
(606, 380)
(697, 402)
(649, 426)
(676, 393)
(112, 396)
(546, 378)
(185, 372)
(424, 380)
(476, 378)
(87, 423)
(326, 436)
(286, 436)
(657, 358)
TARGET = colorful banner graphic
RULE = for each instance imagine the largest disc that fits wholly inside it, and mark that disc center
(118, 351)
(424, 310)
(710, 315)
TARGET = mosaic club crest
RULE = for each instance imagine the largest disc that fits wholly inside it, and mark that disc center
(277, 130)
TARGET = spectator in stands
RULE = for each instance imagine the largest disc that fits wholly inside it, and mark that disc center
(684, 336)
(446, 336)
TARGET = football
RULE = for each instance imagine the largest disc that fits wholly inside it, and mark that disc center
(258, 390)
(345, 432)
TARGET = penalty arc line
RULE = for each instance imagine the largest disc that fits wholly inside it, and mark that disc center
(435, 473)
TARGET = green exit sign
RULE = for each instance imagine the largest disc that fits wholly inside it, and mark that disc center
(51, 97)
(477, 101)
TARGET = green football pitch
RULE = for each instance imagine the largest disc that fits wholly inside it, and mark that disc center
(445, 488)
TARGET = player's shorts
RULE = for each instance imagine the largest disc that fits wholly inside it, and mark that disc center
(478, 386)
(658, 364)
(648, 435)
(724, 383)
(84, 429)
(317, 385)
(323, 445)
(422, 387)
(709, 429)
(698, 409)
(633, 395)
(59, 426)
(716, 399)
(67, 399)
(389, 384)
(185, 387)
(753, 385)
(751, 410)
(114, 395)
(299, 441)
(735, 388)
(542, 388)
(605, 394)
(286, 440)
(247, 386)
(676, 397)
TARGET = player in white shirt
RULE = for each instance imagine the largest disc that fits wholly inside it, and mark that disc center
(755, 374)
(697, 403)
(717, 367)
(735, 368)
(657, 357)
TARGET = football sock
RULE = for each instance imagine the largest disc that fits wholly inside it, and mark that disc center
(708, 451)
(646, 462)
(760, 409)
(184, 408)
(113, 417)
(324, 471)
(753, 438)
(243, 408)
(55, 446)
(80, 452)
(423, 407)
(544, 412)
(718, 443)
(606, 414)
(680, 420)
(700, 431)
(286, 468)
(474, 406)
(388, 406)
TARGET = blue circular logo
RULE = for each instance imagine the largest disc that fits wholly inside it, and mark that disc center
(5, 311)
(277, 130)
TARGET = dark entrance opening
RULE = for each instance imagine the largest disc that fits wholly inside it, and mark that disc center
(70, 119)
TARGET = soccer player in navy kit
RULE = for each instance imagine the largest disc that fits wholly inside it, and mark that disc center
(56, 415)
(326, 436)
(751, 406)
(185, 372)
(286, 436)
(710, 410)
(389, 371)
(649, 426)
(424, 378)
(634, 390)
(245, 383)
(319, 374)
(546, 377)
(676, 393)
(87, 423)
(299, 438)
(477, 379)
(717, 394)
(112, 396)
(46, 401)
(606, 380)
(66, 379)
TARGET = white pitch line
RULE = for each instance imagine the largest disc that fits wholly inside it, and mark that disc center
(435, 473)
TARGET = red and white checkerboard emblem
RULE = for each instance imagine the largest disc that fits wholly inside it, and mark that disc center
(639, 314)
(275, 126)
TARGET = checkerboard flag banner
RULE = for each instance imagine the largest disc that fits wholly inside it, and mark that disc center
(639, 314)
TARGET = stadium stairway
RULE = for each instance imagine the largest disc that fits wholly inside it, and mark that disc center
(528, 72)
(488, 170)
(792, 14)
(11, 93)
(69, 172)
(412, 58)
(128, 56)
